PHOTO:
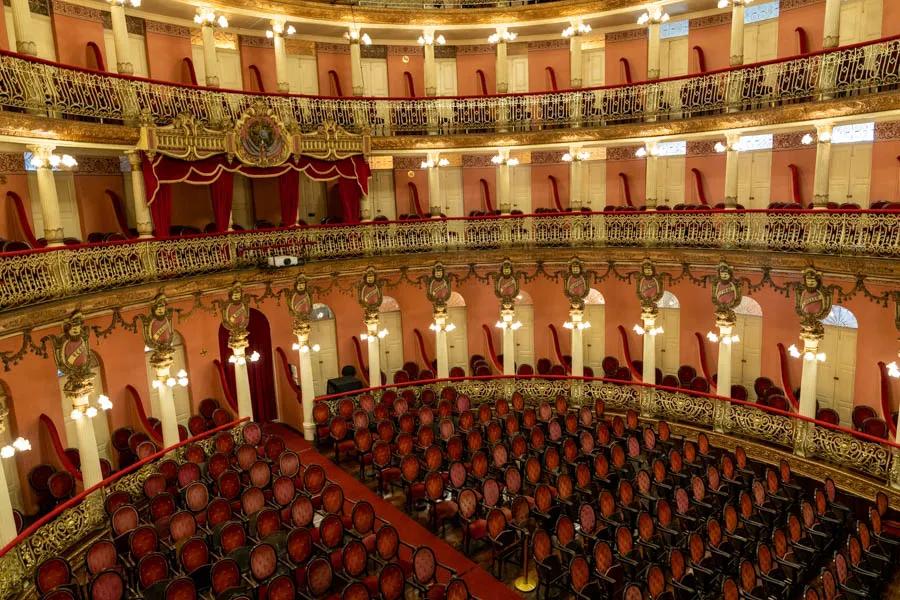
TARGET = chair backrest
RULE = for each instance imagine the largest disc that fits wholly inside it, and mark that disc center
(387, 542)
(108, 585)
(51, 574)
(182, 588)
(263, 561)
(391, 582)
(152, 568)
(579, 573)
(193, 554)
(100, 556)
(225, 574)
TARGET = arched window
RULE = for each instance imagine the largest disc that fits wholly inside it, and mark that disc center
(524, 298)
(456, 300)
(668, 300)
(841, 317)
(321, 312)
(594, 297)
(748, 306)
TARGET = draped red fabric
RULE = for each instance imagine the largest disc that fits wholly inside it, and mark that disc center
(22, 216)
(163, 169)
(289, 192)
(260, 373)
(349, 193)
(222, 193)
(161, 211)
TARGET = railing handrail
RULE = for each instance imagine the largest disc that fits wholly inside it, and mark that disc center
(674, 390)
(112, 479)
(649, 214)
(745, 67)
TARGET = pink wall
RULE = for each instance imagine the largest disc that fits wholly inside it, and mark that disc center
(396, 69)
(472, 194)
(636, 53)
(9, 222)
(712, 174)
(541, 190)
(191, 205)
(805, 159)
(811, 18)
(467, 66)
(264, 60)
(94, 206)
(165, 56)
(266, 201)
(539, 60)
(715, 42)
(885, 171)
(405, 204)
(339, 63)
(4, 37)
(890, 19)
(635, 169)
(72, 36)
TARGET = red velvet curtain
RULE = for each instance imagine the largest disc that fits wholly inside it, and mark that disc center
(350, 194)
(222, 194)
(161, 210)
(260, 373)
(289, 192)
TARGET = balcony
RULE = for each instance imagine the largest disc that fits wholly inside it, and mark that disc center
(32, 277)
(850, 73)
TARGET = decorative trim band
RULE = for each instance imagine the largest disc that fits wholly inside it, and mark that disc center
(445, 51)
(405, 163)
(627, 35)
(99, 165)
(888, 130)
(710, 21)
(791, 4)
(255, 41)
(479, 49)
(375, 51)
(560, 44)
(789, 141)
(167, 29)
(622, 152)
(701, 148)
(12, 163)
(547, 157)
(76, 11)
(476, 160)
(329, 48)
(405, 51)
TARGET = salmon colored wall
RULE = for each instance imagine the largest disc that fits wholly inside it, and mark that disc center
(811, 18)
(165, 55)
(550, 307)
(191, 205)
(635, 169)
(636, 53)
(890, 18)
(712, 174)
(94, 206)
(539, 60)
(467, 66)
(72, 36)
(396, 67)
(4, 37)
(405, 203)
(541, 190)
(885, 171)
(472, 195)
(9, 222)
(264, 60)
(805, 159)
(715, 42)
(340, 64)
(266, 201)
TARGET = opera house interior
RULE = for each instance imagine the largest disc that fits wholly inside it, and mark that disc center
(450, 299)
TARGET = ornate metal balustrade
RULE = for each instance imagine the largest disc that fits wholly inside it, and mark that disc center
(32, 277)
(85, 516)
(46, 87)
(839, 447)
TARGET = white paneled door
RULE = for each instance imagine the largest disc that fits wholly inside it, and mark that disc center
(446, 76)
(518, 74)
(381, 195)
(667, 343)
(861, 20)
(457, 340)
(760, 41)
(303, 74)
(391, 346)
(451, 182)
(593, 67)
(836, 376)
(325, 361)
(673, 57)
(594, 337)
(524, 336)
(746, 354)
(520, 188)
(670, 180)
(850, 174)
(755, 179)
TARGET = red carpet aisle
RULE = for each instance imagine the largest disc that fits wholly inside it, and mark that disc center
(480, 582)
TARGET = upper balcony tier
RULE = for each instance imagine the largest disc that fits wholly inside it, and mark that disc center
(850, 76)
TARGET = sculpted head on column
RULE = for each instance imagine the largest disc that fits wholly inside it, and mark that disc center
(576, 286)
(726, 293)
(74, 357)
(506, 284)
(370, 294)
(438, 288)
(649, 287)
(158, 332)
(236, 316)
(813, 302)
(300, 304)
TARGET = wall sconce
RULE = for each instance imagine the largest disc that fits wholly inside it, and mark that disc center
(580, 325)
(428, 39)
(642, 152)
(893, 370)
(502, 35)
(446, 328)
(577, 157)
(654, 16)
(55, 161)
(132, 3)
(430, 163)
(573, 30)
(796, 353)
(103, 402)
(514, 325)
(279, 29)
(180, 378)
(371, 338)
(208, 17)
(20, 444)
(499, 159)
(356, 37)
(305, 348)
(652, 332)
(726, 339)
(720, 147)
(242, 359)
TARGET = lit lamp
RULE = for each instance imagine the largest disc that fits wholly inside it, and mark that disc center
(180, 378)
(502, 35)
(654, 15)
(278, 28)
(643, 152)
(131, 3)
(579, 156)
(576, 30)
(654, 331)
(893, 370)
(7, 519)
(355, 36)
(446, 327)
(242, 359)
(727, 3)
(508, 323)
(431, 163)
(305, 348)
(54, 161)
(808, 138)
(726, 339)
(103, 403)
(499, 159)
(206, 17)
(428, 39)
(796, 353)
(371, 338)
(580, 325)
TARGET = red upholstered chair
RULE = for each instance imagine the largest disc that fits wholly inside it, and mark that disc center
(686, 375)
(182, 588)
(52, 573)
(761, 386)
(108, 585)
(738, 392)
(392, 582)
(61, 486)
(860, 414)
(225, 576)
(101, 556)
(828, 415)
(875, 426)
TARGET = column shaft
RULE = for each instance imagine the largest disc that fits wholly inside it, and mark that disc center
(502, 68)
(46, 185)
(442, 354)
(436, 206)
(731, 177)
(142, 217)
(649, 358)
(281, 68)
(809, 378)
(210, 59)
(307, 393)
(503, 191)
(832, 30)
(356, 76)
(7, 521)
(242, 385)
(87, 450)
(120, 39)
(737, 35)
(509, 351)
(823, 168)
(430, 71)
(723, 368)
(577, 352)
(575, 61)
(167, 413)
(653, 51)
(21, 13)
(374, 343)
(650, 191)
(577, 192)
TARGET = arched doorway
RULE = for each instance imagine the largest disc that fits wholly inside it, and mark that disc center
(746, 353)
(594, 337)
(391, 345)
(260, 372)
(837, 375)
(525, 334)
(323, 332)
(667, 351)
(457, 340)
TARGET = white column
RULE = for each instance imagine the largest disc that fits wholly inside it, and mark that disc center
(167, 414)
(46, 186)
(242, 384)
(507, 317)
(653, 51)
(502, 68)
(731, 170)
(120, 38)
(503, 188)
(88, 453)
(7, 520)
(575, 61)
(832, 30)
(723, 367)
(649, 358)
(356, 77)
(21, 13)
(430, 70)
(374, 350)
(434, 185)
(808, 377)
(823, 165)
(281, 68)
(210, 59)
(577, 187)
(142, 217)
(651, 168)
(576, 317)
(440, 345)
(737, 35)
(307, 383)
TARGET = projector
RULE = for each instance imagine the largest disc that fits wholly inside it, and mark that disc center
(283, 261)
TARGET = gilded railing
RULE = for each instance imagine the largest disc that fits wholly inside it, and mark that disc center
(28, 278)
(843, 448)
(58, 534)
(45, 87)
